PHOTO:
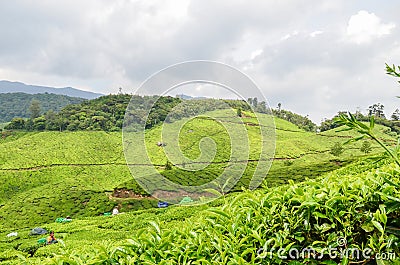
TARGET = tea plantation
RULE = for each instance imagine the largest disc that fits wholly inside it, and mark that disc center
(306, 200)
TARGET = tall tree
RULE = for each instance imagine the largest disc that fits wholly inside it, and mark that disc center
(34, 109)
(250, 101)
(255, 102)
(262, 107)
(396, 115)
(376, 110)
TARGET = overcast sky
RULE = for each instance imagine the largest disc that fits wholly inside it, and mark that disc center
(313, 57)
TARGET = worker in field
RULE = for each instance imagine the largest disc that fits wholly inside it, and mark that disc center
(115, 211)
(51, 239)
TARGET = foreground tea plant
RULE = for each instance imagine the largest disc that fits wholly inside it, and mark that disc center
(352, 205)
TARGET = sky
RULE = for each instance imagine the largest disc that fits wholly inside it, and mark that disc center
(314, 57)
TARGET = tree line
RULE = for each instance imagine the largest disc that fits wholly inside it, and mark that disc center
(376, 110)
(107, 113)
(104, 113)
(303, 122)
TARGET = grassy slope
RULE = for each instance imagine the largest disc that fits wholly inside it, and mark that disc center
(70, 173)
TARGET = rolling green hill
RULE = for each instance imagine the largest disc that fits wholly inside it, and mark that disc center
(74, 173)
(46, 175)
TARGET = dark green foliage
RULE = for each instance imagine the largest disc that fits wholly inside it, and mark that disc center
(329, 124)
(337, 149)
(256, 106)
(395, 115)
(104, 113)
(160, 110)
(236, 104)
(135, 204)
(107, 113)
(376, 110)
(17, 123)
(168, 166)
(39, 123)
(16, 105)
(239, 112)
(302, 122)
(288, 162)
(366, 147)
(34, 109)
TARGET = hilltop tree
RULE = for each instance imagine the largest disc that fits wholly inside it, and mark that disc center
(358, 114)
(16, 124)
(279, 106)
(376, 110)
(250, 101)
(51, 120)
(396, 115)
(262, 107)
(34, 109)
(39, 124)
(255, 102)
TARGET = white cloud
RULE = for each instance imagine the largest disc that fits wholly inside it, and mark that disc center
(294, 50)
(290, 35)
(365, 27)
(315, 33)
(256, 53)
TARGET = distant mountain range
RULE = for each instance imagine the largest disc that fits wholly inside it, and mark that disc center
(14, 87)
(187, 97)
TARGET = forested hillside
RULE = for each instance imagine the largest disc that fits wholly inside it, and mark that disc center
(13, 105)
(107, 113)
